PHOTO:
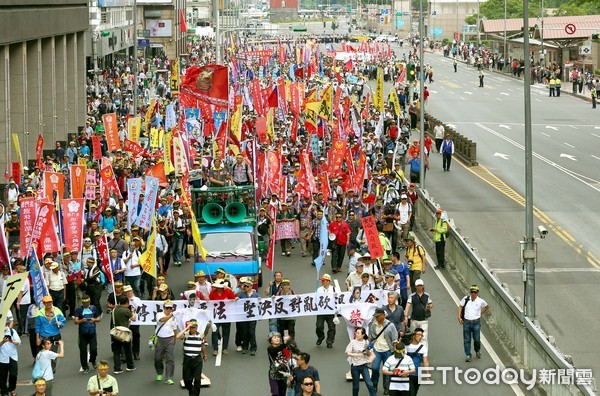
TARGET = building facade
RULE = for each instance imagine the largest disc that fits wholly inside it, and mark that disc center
(160, 22)
(42, 78)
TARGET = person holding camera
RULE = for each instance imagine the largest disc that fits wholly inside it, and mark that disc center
(86, 316)
(358, 355)
(279, 359)
(399, 367)
(382, 336)
(103, 383)
(46, 359)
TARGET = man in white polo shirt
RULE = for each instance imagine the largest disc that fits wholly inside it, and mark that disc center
(470, 309)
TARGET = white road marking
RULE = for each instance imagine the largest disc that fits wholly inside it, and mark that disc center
(551, 127)
(572, 126)
(504, 93)
(451, 126)
(484, 341)
(538, 100)
(503, 156)
(593, 134)
(588, 181)
(469, 93)
(598, 158)
(570, 145)
(504, 126)
(462, 98)
(545, 134)
(569, 156)
(545, 270)
(433, 92)
(499, 99)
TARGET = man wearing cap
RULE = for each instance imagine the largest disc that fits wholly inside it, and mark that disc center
(419, 304)
(48, 321)
(9, 357)
(117, 242)
(326, 287)
(202, 285)
(108, 222)
(470, 309)
(57, 284)
(382, 335)
(221, 292)
(13, 228)
(194, 354)
(88, 250)
(402, 216)
(341, 230)
(166, 331)
(103, 383)
(86, 316)
(447, 151)
(415, 258)
(353, 257)
(399, 367)
(247, 329)
(440, 230)
(94, 280)
(355, 278)
(122, 315)
(134, 303)
(286, 324)
(315, 235)
(133, 272)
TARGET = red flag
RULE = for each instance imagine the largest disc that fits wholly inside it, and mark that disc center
(294, 130)
(257, 100)
(360, 172)
(295, 99)
(15, 168)
(108, 181)
(349, 65)
(338, 149)
(283, 105)
(182, 23)
(208, 83)
(271, 252)
(261, 128)
(299, 73)
(77, 176)
(39, 148)
(54, 181)
(273, 171)
(132, 147)
(273, 101)
(111, 131)
(402, 75)
(4, 255)
(372, 236)
(158, 171)
(103, 253)
(96, 147)
(221, 138)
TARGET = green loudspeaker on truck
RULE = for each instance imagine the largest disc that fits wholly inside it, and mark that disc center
(227, 220)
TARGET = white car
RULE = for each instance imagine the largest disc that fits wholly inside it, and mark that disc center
(386, 38)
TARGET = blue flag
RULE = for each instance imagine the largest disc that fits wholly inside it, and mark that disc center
(323, 242)
(37, 280)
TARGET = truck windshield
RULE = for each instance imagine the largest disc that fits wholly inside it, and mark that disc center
(222, 244)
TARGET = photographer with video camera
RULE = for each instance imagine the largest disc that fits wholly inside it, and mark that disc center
(279, 368)
(359, 357)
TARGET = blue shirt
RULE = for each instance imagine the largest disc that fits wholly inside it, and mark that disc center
(88, 313)
(49, 328)
(403, 272)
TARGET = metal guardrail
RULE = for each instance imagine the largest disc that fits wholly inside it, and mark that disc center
(530, 347)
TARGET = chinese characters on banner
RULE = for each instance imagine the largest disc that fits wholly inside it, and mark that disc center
(37, 280)
(54, 181)
(144, 219)
(337, 157)
(45, 214)
(27, 219)
(109, 182)
(72, 217)
(78, 177)
(248, 309)
(102, 246)
(133, 128)
(39, 148)
(96, 148)
(287, 230)
(90, 184)
(112, 132)
(132, 147)
(134, 189)
(372, 236)
(15, 168)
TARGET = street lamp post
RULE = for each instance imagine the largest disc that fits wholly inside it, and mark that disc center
(529, 253)
(478, 19)
(504, 53)
(421, 101)
(217, 30)
(134, 68)
(542, 36)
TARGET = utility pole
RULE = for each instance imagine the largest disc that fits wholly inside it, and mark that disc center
(478, 19)
(134, 66)
(542, 55)
(421, 101)
(217, 30)
(504, 53)
(529, 252)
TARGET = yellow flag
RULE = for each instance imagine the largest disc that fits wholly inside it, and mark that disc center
(313, 106)
(378, 99)
(394, 100)
(154, 137)
(174, 80)
(236, 122)
(17, 149)
(270, 116)
(150, 112)
(311, 118)
(195, 230)
(148, 258)
(133, 128)
(326, 105)
(167, 153)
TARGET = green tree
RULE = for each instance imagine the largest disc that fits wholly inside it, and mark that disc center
(471, 19)
(494, 9)
(579, 7)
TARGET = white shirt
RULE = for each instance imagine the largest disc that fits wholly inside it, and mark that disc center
(26, 298)
(166, 328)
(473, 307)
(135, 260)
(9, 350)
(330, 289)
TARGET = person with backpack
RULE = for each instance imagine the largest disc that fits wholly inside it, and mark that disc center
(440, 232)
(417, 350)
(470, 309)
(241, 172)
(415, 258)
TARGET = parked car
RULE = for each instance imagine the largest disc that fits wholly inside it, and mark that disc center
(386, 38)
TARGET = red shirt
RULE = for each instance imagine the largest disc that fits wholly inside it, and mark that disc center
(226, 295)
(341, 229)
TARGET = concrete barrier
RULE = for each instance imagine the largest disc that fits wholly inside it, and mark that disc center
(464, 148)
(530, 347)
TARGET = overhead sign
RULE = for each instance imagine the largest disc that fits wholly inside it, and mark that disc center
(570, 28)
(436, 32)
(585, 50)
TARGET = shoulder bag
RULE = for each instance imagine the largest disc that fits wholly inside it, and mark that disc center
(120, 333)
(154, 337)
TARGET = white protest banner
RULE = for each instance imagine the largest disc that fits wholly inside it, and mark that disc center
(243, 310)
(287, 230)
(184, 315)
(13, 286)
(357, 315)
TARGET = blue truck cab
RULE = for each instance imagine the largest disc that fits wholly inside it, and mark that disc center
(227, 221)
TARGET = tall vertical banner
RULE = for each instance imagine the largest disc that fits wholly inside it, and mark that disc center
(27, 221)
(77, 175)
(372, 236)
(50, 242)
(43, 221)
(174, 79)
(96, 148)
(37, 279)
(338, 152)
(112, 132)
(15, 172)
(15, 138)
(54, 181)
(179, 159)
(72, 220)
(148, 258)
(170, 117)
(167, 153)
(102, 247)
(108, 181)
(144, 219)
(4, 255)
(196, 234)
(134, 125)
(378, 99)
(134, 189)
(271, 252)
(12, 287)
(39, 149)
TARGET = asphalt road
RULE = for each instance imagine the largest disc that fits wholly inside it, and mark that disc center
(243, 374)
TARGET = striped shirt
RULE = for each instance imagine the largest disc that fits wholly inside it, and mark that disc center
(192, 345)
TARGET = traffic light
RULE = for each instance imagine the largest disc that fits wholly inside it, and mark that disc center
(595, 37)
(410, 72)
